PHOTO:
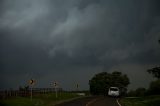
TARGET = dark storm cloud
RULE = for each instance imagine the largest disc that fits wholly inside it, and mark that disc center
(48, 38)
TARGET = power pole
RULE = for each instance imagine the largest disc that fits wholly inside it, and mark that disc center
(77, 87)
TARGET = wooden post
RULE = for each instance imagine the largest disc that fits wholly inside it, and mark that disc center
(31, 92)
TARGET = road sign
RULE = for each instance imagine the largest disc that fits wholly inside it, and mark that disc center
(32, 82)
(55, 84)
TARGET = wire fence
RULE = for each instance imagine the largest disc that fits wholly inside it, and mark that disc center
(25, 93)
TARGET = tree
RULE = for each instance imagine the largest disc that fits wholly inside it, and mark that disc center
(140, 91)
(155, 72)
(119, 80)
(101, 82)
(154, 87)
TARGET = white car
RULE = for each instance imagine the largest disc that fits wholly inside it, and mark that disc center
(114, 91)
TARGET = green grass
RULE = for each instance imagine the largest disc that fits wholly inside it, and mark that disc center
(141, 101)
(38, 100)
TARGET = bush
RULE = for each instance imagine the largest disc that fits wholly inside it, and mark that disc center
(154, 88)
(138, 92)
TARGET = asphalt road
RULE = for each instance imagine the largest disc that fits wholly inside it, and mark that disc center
(92, 101)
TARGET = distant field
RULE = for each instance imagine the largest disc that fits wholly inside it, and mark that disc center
(38, 100)
(141, 101)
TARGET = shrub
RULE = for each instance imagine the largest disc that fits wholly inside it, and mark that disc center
(154, 88)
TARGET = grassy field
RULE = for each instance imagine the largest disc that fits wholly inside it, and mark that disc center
(38, 100)
(141, 101)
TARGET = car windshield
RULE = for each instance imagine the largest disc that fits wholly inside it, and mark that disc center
(113, 89)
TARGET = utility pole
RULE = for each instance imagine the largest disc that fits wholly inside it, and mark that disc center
(77, 87)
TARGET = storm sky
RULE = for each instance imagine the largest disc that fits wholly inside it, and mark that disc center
(69, 41)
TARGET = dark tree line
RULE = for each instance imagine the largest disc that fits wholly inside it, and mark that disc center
(101, 82)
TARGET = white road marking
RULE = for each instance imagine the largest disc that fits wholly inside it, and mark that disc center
(92, 101)
(118, 102)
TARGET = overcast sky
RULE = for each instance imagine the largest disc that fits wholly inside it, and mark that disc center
(69, 41)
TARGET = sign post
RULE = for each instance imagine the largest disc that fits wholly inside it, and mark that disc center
(31, 93)
(56, 91)
(31, 82)
(55, 86)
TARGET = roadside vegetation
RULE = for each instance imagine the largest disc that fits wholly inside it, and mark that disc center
(145, 97)
(141, 101)
(39, 100)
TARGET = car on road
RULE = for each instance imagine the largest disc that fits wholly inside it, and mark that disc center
(114, 91)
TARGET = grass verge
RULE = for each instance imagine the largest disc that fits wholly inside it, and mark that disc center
(38, 100)
(141, 101)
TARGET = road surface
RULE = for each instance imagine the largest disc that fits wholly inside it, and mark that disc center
(92, 101)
